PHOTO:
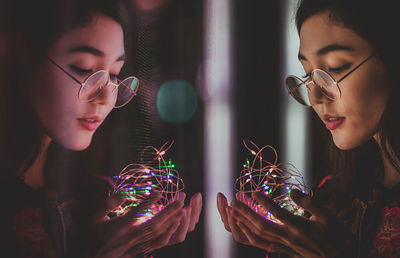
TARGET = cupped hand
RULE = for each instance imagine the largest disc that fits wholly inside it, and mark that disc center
(321, 236)
(121, 237)
(191, 218)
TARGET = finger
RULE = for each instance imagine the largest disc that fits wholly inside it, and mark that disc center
(102, 213)
(180, 234)
(181, 196)
(259, 242)
(196, 205)
(252, 219)
(167, 212)
(222, 203)
(113, 201)
(145, 204)
(133, 212)
(164, 239)
(144, 208)
(159, 222)
(237, 233)
(276, 236)
(282, 214)
(244, 198)
(311, 205)
(162, 220)
(240, 196)
(153, 242)
(153, 228)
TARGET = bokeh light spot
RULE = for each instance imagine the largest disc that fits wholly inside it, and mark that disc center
(176, 101)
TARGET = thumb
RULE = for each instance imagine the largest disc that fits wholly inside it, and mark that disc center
(145, 204)
(311, 205)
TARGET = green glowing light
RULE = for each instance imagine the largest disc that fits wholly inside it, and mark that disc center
(176, 101)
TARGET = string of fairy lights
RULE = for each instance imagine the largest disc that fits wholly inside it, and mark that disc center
(273, 179)
(137, 181)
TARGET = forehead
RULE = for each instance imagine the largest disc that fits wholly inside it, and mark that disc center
(102, 33)
(319, 31)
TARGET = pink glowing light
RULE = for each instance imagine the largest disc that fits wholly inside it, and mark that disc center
(273, 179)
(137, 181)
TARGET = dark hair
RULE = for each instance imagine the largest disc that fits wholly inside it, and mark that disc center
(374, 21)
(30, 29)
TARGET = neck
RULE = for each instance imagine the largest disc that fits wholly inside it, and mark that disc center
(34, 174)
(391, 175)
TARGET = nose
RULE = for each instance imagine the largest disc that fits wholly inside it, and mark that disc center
(107, 96)
(316, 95)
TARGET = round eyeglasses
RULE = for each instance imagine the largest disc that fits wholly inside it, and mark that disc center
(92, 86)
(327, 85)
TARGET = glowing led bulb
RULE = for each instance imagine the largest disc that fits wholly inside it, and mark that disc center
(270, 178)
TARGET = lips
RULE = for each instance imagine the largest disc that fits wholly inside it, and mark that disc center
(333, 122)
(90, 123)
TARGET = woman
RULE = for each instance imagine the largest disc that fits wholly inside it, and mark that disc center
(72, 53)
(350, 56)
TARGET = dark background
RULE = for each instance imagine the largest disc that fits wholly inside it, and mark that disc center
(166, 43)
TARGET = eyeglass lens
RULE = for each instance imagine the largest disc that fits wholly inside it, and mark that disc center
(298, 93)
(94, 84)
(126, 91)
(326, 84)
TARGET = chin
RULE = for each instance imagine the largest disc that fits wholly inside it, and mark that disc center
(75, 145)
(348, 143)
(344, 146)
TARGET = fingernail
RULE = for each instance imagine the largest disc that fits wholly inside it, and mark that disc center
(238, 196)
(199, 196)
(181, 196)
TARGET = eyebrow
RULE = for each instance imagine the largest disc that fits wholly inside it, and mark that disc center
(91, 50)
(327, 49)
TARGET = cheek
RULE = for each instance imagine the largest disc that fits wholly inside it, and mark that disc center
(42, 96)
(53, 99)
(367, 98)
(108, 110)
(363, 105)
(56, 104)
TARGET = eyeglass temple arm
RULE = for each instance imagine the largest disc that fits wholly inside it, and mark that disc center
(65, 71)
(352, 70)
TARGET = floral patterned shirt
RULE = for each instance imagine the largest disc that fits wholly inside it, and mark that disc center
(26, 233)
(375, 224)
(387, 240)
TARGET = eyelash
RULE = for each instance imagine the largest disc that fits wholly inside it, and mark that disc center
(339, 69)
(113, 76)
(81, 71)
(336, 70)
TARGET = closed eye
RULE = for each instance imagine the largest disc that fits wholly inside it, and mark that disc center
(79, 70)
(339, 69)
(114, 78)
